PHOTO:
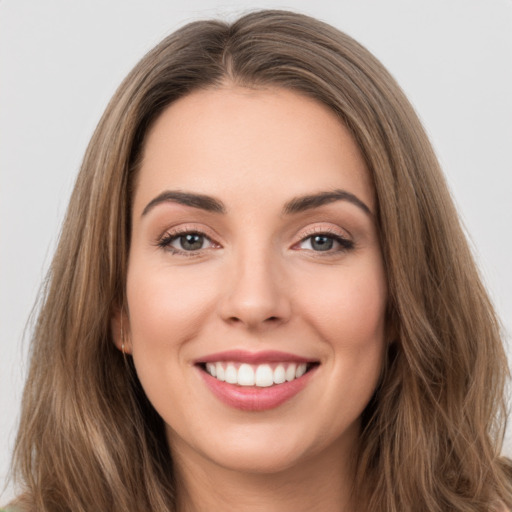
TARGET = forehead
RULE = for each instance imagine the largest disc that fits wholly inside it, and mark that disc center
(241, 143)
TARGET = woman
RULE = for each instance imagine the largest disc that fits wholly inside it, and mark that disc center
(262, 298)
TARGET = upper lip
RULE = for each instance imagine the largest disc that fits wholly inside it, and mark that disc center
(265, 356)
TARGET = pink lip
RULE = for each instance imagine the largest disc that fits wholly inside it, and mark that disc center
(243, 356)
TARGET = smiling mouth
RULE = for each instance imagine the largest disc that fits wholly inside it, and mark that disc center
(256, 375)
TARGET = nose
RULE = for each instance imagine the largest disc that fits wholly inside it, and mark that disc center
(256, 294)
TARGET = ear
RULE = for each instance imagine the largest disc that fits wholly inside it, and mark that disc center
(120, 330)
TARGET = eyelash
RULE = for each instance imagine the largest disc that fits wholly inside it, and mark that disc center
(344, 243)
(169, 237)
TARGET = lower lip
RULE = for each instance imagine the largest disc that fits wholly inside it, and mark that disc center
(252, 398)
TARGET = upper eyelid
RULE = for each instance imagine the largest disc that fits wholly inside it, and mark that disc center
(329, 230)
(189, 228)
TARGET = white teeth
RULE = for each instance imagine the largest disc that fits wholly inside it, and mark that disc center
(212, 370)
(262, 375)
(220, 371)
(279, 374)
(290, 372)
(301, 370)
(246, 375)
(231, 374)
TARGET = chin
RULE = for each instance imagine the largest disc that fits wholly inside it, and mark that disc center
(255, 460)
(268, 448)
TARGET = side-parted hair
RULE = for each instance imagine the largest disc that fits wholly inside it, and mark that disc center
(431, 436)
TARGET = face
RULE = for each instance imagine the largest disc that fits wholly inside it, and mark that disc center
(256, 291)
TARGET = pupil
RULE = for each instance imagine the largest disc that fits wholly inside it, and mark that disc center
(192, 242)
(322, 243)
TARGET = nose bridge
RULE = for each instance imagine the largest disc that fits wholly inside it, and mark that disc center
(255, 292)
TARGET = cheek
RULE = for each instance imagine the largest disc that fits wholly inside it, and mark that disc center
(167, 309)
(348, 312)
(167, 305)
(347, 307)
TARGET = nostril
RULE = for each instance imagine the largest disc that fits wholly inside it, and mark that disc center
(269, 319)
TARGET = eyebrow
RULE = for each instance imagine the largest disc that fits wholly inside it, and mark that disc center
(303, 203)
(201, 201)
(295, 205)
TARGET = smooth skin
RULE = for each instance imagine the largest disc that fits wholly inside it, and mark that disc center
(254, 277)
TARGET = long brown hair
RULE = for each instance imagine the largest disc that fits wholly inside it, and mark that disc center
(89, 439)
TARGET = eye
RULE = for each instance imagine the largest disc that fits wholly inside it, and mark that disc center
(190, 241)
(324, 242)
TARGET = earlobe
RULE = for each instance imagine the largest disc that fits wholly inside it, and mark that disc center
(120, 332)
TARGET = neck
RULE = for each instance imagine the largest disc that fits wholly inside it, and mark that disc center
(322, 482)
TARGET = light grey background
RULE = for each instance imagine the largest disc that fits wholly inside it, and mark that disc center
(61, 60)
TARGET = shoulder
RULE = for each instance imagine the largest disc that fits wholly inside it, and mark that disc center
(20, 504)
(15, 508)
